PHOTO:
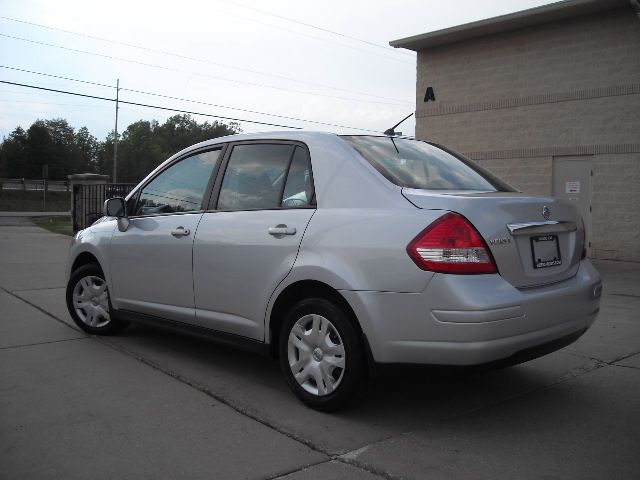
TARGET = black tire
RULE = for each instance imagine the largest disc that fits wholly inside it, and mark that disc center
(92, 312)
(338, 384)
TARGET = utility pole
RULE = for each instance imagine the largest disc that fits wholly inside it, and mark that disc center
(115, 141)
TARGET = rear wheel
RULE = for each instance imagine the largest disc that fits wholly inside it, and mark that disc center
(88, 301)
(321, 354)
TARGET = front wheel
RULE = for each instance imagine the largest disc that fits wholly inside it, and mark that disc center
(88, 301)
(321, 354)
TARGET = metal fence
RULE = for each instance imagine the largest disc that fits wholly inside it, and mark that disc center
(88, 201)
(34, 184)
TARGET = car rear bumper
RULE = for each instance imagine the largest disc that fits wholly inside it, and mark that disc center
(475, 319)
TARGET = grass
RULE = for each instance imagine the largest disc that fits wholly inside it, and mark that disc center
(55, 224)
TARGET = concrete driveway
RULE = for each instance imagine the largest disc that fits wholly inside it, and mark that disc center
(151, 404)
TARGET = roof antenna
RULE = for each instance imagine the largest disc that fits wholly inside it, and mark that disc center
(391, 131)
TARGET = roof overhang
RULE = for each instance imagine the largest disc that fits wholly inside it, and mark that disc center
(513, 21)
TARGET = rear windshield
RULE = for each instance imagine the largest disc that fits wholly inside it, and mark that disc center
(416, 164)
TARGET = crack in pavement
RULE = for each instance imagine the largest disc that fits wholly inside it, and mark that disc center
(625, 295)
(351, 457)
(624, 357)
(345, 461)
(34, 289)
(296, 470)
(42, 310)
(368, 468)
(626, 366)
(611, 363)
(571, 375)
(207, 391)
(42, 343)
(244, 412)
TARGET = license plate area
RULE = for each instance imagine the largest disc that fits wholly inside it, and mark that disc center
(545, 251)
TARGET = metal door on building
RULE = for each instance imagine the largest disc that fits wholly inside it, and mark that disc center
(572, 177)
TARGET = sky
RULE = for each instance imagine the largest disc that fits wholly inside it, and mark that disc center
(313, 65)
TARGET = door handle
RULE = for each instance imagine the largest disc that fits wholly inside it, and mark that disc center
(281, 229)
(180, 232)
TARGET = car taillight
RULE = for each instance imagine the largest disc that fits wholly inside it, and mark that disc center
(451, 245)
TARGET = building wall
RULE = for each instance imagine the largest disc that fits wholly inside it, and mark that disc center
(616, 207)
(513, 101)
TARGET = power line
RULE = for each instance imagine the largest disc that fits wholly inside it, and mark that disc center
(158, 107)
(182, 99)
(324, 40)
(87, 82)
(315, 27)
(50, 103)
(161, 67)
(195, 59)
(84, 95)
(93, 37)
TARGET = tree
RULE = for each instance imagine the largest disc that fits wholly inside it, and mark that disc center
(181, 131)
(39, 150)
(13, 154)
(142, 147)
(62, 155)
(88, 148)
(139, 151)
(46, 142)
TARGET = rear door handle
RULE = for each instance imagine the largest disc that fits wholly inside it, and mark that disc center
(281, 230)
(180, 232)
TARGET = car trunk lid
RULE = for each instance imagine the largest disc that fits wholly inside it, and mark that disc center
(534, 240)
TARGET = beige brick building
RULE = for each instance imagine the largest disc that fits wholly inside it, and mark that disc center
(549, 99)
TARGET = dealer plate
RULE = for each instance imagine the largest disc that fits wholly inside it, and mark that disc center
(546, 251)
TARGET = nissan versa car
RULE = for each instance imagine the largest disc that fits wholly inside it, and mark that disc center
(336, 254)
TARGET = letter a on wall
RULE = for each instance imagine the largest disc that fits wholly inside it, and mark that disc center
(429, 95)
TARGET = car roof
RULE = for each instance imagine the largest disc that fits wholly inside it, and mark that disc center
(300, 135)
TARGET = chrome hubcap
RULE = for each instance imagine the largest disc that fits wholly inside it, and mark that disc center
(316, 355)
(91, 301)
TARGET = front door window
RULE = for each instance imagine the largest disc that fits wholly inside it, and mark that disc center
(180, 187)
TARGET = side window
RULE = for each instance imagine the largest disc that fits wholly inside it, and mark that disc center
(255, 177)
(298, 191)
(180, 187)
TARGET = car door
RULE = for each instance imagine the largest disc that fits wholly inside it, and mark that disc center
(151, 262)
(247, 243)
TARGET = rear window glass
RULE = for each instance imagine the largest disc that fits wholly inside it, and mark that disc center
(416, 164)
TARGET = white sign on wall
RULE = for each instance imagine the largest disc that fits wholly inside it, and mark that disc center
(572, 187)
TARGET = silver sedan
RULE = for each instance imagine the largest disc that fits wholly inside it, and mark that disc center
(336, 254)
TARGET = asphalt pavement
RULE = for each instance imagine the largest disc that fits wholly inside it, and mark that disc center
(152, 404)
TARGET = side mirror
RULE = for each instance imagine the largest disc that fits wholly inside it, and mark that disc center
(117, 207)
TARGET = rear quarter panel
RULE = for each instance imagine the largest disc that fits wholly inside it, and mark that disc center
(363, 249)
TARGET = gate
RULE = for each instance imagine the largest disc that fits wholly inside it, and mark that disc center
(88, 201)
